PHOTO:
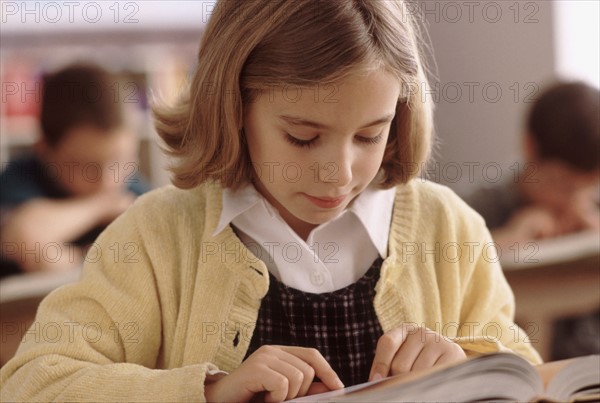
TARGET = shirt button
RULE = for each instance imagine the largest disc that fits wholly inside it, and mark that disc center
(317, 278)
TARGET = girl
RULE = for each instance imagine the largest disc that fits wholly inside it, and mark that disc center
(296, 245)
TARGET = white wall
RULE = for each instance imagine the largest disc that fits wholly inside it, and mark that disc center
(488, 47)
(101, 15)
(577, 37)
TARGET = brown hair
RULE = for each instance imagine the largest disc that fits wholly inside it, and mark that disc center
(78, 95)
(565, 125)
(249, 44)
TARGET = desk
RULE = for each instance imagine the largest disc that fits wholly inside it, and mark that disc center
(15, 319)
(544, 294)
(20, 296)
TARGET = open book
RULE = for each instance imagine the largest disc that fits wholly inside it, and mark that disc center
(497, 377)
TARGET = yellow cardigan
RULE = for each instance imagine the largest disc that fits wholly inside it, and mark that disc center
(162, 302)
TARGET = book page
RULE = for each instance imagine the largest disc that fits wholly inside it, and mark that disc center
(576, 378)
(499, 376)
(549, 370)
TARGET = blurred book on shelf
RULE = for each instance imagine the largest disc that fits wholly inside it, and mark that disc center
(21, 98)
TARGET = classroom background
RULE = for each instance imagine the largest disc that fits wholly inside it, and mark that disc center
(488, 60)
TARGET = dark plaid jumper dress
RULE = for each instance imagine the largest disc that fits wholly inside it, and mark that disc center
(341, 324)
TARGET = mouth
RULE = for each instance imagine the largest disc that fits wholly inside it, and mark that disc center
(326, 202)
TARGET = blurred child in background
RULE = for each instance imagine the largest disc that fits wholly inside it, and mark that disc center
(82, 173)
(557, 189)
(556, 192)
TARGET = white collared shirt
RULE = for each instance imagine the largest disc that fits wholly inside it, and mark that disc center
(336, 253)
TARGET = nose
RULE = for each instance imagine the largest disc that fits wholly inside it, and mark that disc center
(337, 169)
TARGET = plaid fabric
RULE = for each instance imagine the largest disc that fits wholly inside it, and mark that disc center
(342, 324)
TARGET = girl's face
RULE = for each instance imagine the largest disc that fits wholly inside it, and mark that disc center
(315, 149)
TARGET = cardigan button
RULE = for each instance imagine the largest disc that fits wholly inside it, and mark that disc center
(317, 278)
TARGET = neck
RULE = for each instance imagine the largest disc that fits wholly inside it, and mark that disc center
(301, 228)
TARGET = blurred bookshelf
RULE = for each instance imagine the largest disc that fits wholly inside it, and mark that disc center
(150, 66)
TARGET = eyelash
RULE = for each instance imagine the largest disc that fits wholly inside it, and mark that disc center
(308, 143)
(300, 143)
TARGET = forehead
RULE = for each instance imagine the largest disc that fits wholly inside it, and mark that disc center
(92, 144)
(350, 103)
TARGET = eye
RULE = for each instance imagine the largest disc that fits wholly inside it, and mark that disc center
(370, 140)
(300, 143)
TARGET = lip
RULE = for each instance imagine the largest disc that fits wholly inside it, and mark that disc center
(325, 202)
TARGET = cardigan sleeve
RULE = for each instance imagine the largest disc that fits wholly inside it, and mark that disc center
(488, 308)
(100, 339)
(474, 294)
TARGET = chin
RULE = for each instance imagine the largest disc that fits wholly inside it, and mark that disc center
(321, 217)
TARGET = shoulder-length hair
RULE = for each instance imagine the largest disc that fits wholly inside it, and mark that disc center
(250, 44)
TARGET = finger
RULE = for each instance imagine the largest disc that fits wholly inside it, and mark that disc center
(321, 367)
(386, 349)
(308, 373)
(427, 357)
(435, 345)
(272, 376)
(294, 378)
(273, 383)
(449, 357)
(317, 387)
(445, 358)
(264, 376)
(407, 354)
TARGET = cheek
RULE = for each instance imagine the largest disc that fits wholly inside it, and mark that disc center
(277, 162)
(259, 149)
(370, 163)
(261, 161)
(96, 179)
(266, 162)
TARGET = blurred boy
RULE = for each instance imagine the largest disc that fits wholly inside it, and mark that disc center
(557, 187)
(81, 175)
(556, 192)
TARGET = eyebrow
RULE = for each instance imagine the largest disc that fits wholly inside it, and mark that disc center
(298, 121)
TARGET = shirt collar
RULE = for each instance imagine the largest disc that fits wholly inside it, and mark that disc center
(236, 203)
(373, 208)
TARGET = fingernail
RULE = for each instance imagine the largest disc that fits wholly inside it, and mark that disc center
(340, 383)
(377, 376)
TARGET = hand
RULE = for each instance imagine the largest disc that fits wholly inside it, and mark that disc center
(531, 223)
(582, 214)
(409, 348)
(282, 372)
